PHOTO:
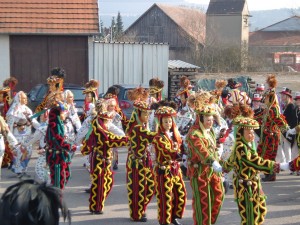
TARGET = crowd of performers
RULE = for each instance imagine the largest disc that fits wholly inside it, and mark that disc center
(217, 139)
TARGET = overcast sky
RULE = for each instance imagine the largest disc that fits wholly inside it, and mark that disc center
(262, 4)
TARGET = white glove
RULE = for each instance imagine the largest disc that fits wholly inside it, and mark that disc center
(284, 166)
(217, 167)
(290, 132)
(78, 147)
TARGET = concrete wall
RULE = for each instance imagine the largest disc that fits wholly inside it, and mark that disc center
(4, 58)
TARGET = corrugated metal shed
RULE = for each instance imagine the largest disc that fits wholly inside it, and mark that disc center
(129, 63)
(178, 64)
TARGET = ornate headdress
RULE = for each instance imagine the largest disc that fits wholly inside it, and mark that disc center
(164, 111)
(138, 93)
(57, 78)
(156, 85)
(270, 97)
(91, 86)
(10, 82)
(245, 122)
(141, 105)
(206, 110)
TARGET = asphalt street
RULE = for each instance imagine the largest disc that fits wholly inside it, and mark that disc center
(283, 200)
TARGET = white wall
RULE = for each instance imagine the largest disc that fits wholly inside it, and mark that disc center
(129, 63)
(4, 58)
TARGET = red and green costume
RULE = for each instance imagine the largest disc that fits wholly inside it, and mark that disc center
(272, 124)
(247, 165)
(207, 185)
(58, 151)
(99, 144)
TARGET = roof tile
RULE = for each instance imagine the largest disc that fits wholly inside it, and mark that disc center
(49, 16)
(274, 38)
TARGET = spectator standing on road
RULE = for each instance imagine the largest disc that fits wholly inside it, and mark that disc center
(29, 202)
(169, 185)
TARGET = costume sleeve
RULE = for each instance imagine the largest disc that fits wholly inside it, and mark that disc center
(145, 133)
(252, 160)
(198, 149)
(229, 163)
(115, 130)
(278, 118)
(295, 164)
(37, 136)
(115, 141)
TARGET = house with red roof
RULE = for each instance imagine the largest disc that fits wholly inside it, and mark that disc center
(279, 42)
(36, 36)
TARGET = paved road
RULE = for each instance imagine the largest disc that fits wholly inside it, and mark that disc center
(283, 199)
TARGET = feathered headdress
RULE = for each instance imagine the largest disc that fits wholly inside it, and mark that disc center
(138, 93)
(10, 82)
(272, 81)
(91, 86)
(201, 99)
(57, 78)
(235, 110)
(156, 85)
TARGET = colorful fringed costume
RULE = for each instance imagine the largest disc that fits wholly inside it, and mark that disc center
(170, 188)
(58, 151)
(247, 165)
(140, 177)
(99, 144)
(207, 185)
(273, 123)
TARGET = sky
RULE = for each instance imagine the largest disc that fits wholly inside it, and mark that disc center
(261, 4)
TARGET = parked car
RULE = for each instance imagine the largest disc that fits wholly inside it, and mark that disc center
(37, 94)
(125, 104)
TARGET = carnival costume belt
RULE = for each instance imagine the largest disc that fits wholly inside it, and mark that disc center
(248, 182)
(60, 151)
(140, 159)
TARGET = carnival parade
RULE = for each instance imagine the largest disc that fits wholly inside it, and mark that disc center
(213, 141)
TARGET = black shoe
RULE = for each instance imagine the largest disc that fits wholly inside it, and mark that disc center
(98, 212)
(143, 219)
(270, 177)
(88, 190)
(176, 222)
(231, 186)
(226, 186)
(115, 167)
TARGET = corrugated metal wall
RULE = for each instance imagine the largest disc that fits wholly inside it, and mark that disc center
(129, 63)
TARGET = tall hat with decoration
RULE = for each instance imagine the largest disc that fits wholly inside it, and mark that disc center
(297, 95)
(219, 86)
(237, 109)
(111, 96)
(270, 97)
(232, 84)
(286, 91)
(260, 87)
(156, 86)
(257, 97)
(7, 92)
(56, 79)
(139, 97)
(168, 111)
(91, 87)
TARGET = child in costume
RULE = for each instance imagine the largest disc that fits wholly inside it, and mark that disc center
(247, 165)
(99, 144)
(169, 185)
(91, 96)
(235, 95)
(203, 162)
(140, 177)
(273, 123)
(58, 150)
